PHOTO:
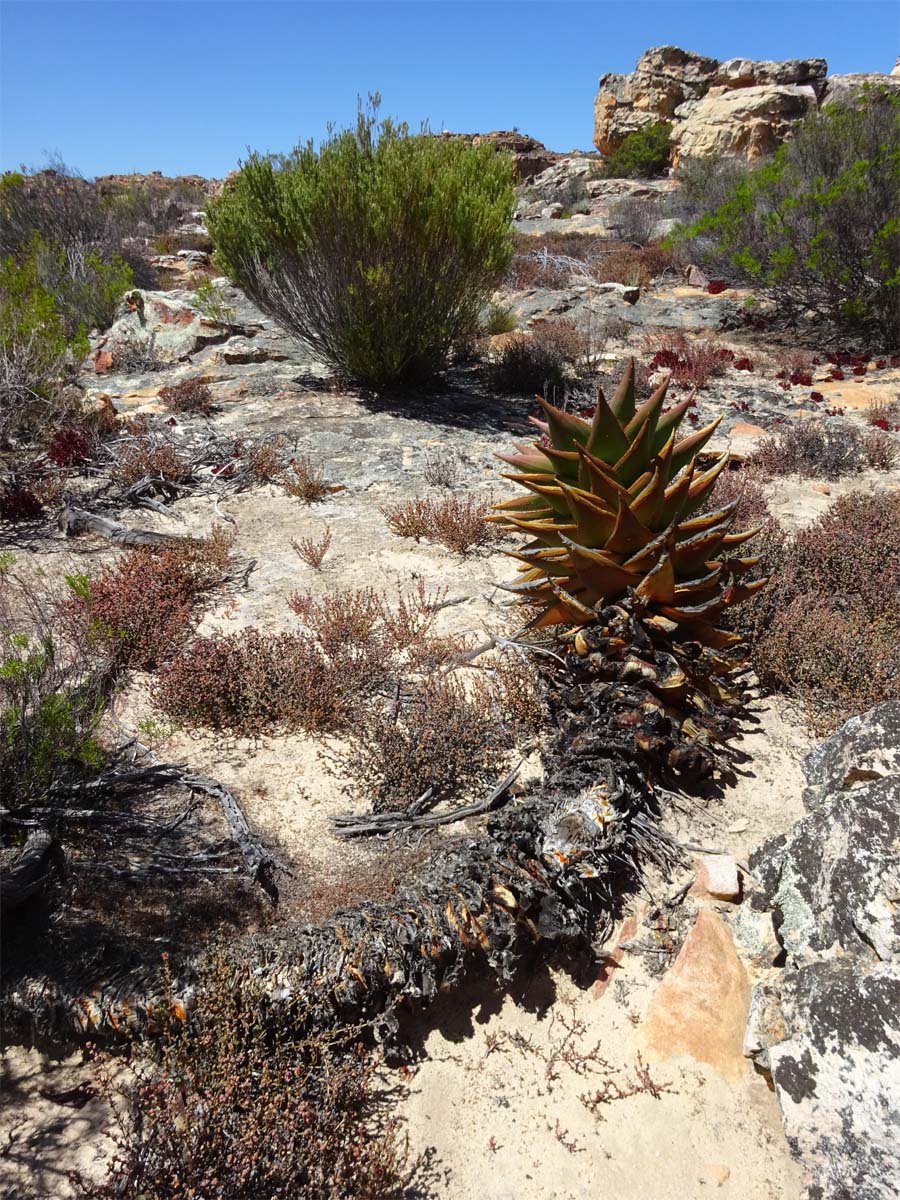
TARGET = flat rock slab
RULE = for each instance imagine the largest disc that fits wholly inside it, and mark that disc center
(700, 1007)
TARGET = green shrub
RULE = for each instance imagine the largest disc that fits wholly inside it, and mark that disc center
(86, 287)
(498, 318)
(36, 349)
(818, 226)
(378, 251)
(51, 694)
(210, 302)
(642, 155)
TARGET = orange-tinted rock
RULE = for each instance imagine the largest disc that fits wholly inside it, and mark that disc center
(102, 360)
(700, 1007)
(613, 959)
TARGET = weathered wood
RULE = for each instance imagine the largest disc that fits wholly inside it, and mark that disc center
(75, 520)
(259, 862)
(28, 874)
(348, 825)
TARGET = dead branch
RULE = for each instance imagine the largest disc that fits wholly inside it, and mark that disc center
(28, 873)
(348, 825)
(259, 862)
(75, 520)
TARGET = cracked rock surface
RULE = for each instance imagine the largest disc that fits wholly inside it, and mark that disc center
(827, 1027)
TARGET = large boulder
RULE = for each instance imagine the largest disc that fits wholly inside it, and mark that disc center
(747, 72)
(827, 1027)
(843, 88)
(746, 121)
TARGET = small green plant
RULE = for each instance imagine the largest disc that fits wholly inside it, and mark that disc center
(378, 250)
(209, 300)
(51, 695)
(644, 154)
(37, 351)
(153, 731)
(499, 318)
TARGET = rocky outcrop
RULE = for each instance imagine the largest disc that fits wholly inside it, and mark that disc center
(740, 107)
(843, 88)
(827, 1027)
(530, 156)
(665, 78)
(155, 181)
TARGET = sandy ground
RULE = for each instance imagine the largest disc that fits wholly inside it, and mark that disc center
(497, 1096)
(497, 1093)
(509, 1117)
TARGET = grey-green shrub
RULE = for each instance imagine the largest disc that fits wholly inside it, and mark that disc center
(817, 227)
(377, 251)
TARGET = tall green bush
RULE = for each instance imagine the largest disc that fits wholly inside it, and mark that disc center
(643, 154)
(378, 250)
(818, 226)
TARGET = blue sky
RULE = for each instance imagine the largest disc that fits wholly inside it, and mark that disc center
(185, 86)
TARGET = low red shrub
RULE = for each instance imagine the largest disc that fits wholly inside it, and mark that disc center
(715, 286)
(70, 446)
(142, 608)
(19, 504)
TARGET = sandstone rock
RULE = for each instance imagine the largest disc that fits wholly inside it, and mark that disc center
(700, 1007)
(835, 878)
(694, 277)
(550, 211)
(895, 70)
(717, 877)
(612, 958)
(530, 156)
(664, 78)
(741, 107)
(864, 748)
(745, 72)
(756, 939)
(239, 350)
(748, 121)
(102, 360)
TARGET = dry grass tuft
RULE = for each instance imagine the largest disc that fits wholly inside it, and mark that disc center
(311, 551)
(190, 396)
(537, 361)
(456, 522)
(304, 480)
(151, 459)
(819, 450)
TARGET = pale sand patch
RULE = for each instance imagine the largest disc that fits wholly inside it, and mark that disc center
(706, 1137)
